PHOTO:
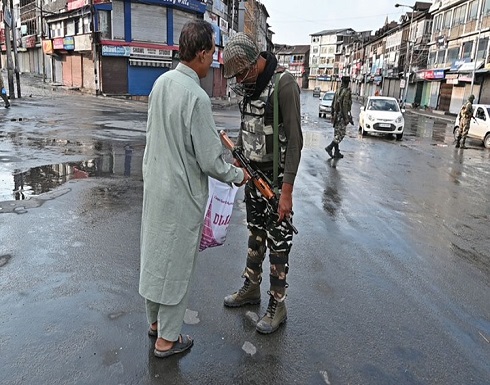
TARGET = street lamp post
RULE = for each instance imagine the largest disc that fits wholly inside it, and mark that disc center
(480, 10)
(409, 52)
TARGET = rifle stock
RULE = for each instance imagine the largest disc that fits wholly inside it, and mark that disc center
(260, 183)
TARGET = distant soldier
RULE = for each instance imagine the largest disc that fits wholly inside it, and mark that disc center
(465, 116)
(3, 93)
(341, 116)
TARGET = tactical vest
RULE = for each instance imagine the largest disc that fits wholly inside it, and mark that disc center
(257, 137)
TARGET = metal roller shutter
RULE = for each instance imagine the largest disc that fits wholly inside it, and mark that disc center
(118, 19)
(148, 23)
(180, 18)
(114, 75)
(485, 91)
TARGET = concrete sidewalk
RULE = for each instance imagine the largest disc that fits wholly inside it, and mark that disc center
(434, 114)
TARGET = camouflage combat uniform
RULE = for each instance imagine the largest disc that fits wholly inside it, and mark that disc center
(342, 103)
(465, 116)
(256, 139)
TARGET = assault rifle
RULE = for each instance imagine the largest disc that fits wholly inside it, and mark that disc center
(258, 178)
(339, 115)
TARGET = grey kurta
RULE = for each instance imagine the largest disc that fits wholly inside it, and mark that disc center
(182, 149)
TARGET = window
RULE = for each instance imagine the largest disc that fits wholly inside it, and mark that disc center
(432, 59)
(452, 55)
(447, 20)
(437, 23)
(440, 56)
(456, 16)
(467, 47)
(486, 8)
(480, 114)
(473, 10)
(482, 48)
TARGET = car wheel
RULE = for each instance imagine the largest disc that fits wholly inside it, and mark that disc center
(319, 115)
(456, 132)
(399, 136)
(486, 141)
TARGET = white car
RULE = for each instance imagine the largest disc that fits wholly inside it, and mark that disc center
(480, 126)
(325, 106)
(381, 115)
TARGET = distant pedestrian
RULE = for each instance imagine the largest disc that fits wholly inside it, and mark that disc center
(3, 92)
(341, 116)
(182, 149)
(465, 116)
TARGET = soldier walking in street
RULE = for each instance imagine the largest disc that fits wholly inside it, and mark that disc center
(3, 92)
(267, 90)
(465, 116)
(341, 116)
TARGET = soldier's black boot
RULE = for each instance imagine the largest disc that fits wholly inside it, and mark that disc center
(248, 294)
(337, 154)
(457, 142)
(275, 315)
(329, 148)
(462, 143)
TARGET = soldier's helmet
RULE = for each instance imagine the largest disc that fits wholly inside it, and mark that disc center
(239, 54)
(345, 79)
(471, 98)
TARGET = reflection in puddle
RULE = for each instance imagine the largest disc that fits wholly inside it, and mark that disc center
(423, 127)
(22, 184)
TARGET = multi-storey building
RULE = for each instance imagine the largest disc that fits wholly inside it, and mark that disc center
(296, 60)
(326, 51)
(121, 47)
(458, 54)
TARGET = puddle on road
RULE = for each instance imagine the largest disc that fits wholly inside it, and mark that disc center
(422, 127)
(23, 184)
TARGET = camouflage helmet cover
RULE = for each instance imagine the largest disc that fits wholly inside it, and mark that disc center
(471, 98)
(239, 54)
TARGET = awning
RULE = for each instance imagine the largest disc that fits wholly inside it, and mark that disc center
(470, 66)
(150, 63)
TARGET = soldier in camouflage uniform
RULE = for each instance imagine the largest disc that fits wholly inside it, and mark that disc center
(256, 73)
(465, 116)
(341, 116)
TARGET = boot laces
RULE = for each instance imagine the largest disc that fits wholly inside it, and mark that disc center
(271, 308)
(245, 287)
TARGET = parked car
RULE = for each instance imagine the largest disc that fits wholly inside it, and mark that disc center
(480, 126)
(316, 92)
(325, 107)
(381, 115)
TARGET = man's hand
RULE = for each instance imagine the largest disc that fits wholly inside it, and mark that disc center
(246, 178)
(285, 206)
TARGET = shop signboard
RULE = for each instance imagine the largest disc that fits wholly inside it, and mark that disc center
(116, 50)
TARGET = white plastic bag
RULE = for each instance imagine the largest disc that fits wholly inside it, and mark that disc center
(218, 213)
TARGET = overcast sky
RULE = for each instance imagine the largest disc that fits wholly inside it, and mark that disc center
(292, 21)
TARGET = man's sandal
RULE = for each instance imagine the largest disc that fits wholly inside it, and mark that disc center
(181, 345)
(152, 333)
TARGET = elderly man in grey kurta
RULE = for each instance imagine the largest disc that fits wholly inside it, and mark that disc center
(183, 148)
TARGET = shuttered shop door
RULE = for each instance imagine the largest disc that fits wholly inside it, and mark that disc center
(114, 75)
(445, 97)
(180, 18)
(148, 23)
(485, 92)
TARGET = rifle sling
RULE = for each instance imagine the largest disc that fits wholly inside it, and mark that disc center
(276, 135)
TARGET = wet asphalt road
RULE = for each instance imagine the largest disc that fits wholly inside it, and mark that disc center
(389, 275)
